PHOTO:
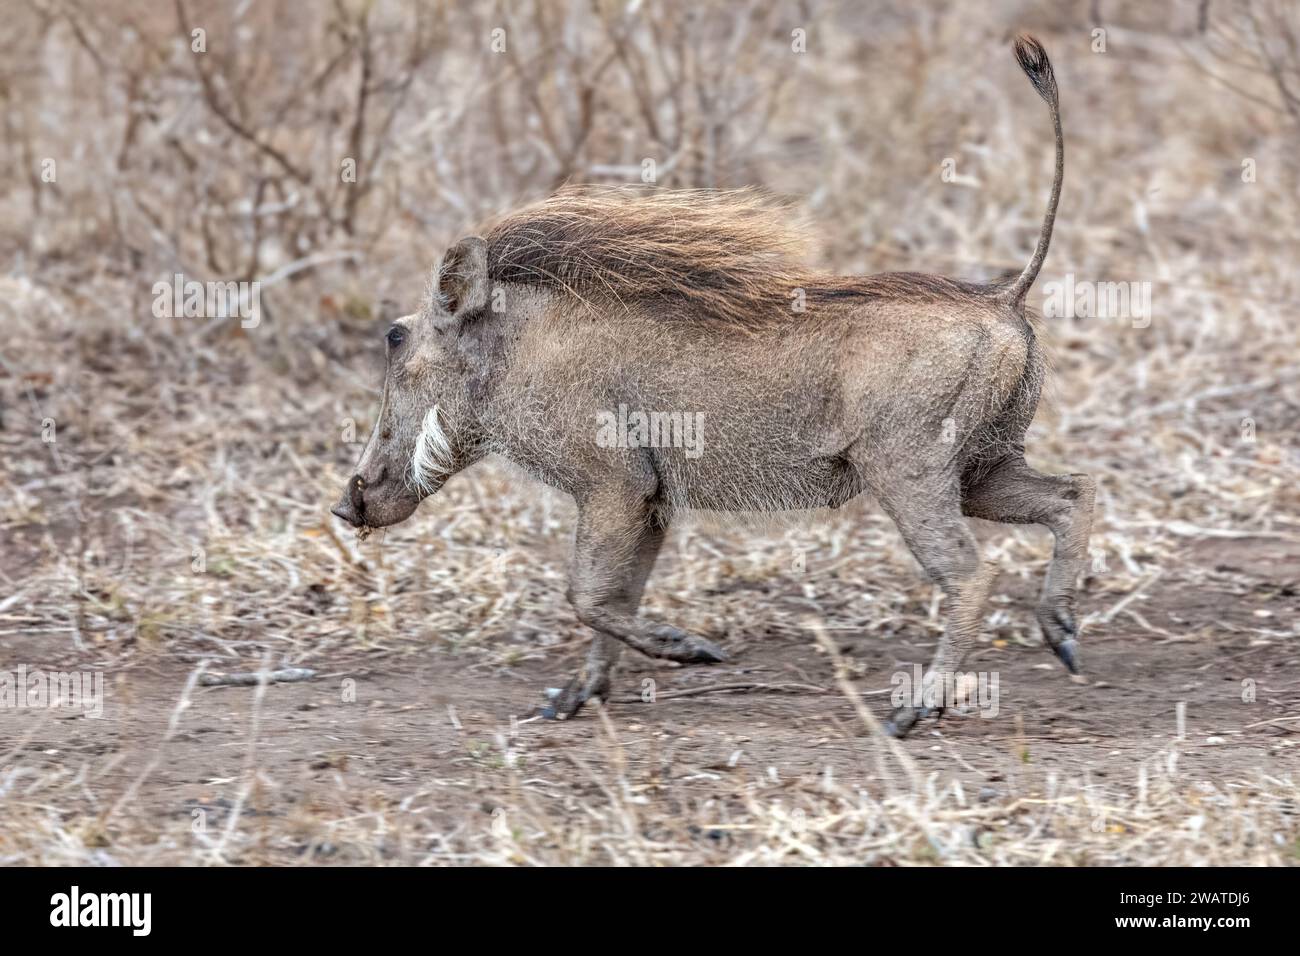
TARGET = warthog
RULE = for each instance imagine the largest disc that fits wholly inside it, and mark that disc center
(811, 389)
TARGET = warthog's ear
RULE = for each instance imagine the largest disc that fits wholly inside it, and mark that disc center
(463, 277)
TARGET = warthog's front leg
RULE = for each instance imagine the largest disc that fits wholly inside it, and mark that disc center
(594, 678)
(617, 541)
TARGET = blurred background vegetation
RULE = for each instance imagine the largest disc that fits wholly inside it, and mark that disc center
(332, 150)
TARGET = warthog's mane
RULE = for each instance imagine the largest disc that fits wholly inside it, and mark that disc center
(730, 256)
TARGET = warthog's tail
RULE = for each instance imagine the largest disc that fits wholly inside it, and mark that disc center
(1033, 60)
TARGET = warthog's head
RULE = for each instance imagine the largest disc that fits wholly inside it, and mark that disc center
(422, 436)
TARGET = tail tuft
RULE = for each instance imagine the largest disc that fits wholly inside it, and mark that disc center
(1033, 60)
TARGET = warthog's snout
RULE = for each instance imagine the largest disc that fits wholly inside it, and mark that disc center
(375, 501)
(365, 500)
(352, 506)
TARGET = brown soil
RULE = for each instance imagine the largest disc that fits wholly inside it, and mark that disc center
(422, 715)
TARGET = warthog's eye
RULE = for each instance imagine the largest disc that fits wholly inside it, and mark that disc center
(396, 336)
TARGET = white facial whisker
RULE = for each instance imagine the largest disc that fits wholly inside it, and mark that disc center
(433, 461)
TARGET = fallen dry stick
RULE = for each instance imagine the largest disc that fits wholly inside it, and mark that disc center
(283, 676)
(719, 688)
(1275, 720)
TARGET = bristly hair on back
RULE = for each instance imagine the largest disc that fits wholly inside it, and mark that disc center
(729, 256)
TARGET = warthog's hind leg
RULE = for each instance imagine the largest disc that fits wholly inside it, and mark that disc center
(1013, 493)
(931, 524)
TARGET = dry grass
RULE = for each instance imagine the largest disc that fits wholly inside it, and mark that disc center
(578, 813)
(180, 514)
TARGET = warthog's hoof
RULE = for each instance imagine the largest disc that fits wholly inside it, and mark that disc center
(904, 718)
(696, 650)
(675, 644)
(1068, 652)
(567, 702)
(1062, 635)
(552, 712)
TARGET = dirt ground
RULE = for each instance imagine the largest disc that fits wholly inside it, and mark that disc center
(417, 722)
